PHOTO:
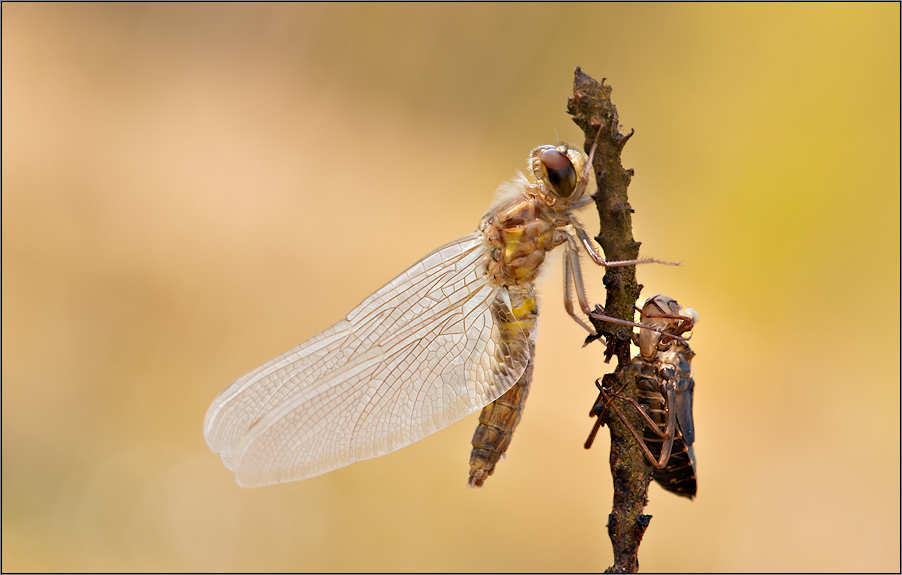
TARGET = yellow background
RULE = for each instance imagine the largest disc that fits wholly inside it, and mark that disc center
(191, 190)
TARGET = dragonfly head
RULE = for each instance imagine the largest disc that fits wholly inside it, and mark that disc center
(559, 173)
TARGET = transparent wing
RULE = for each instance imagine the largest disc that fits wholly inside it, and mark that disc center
(414, 357)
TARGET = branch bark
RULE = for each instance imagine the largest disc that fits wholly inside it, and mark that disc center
(593, 111)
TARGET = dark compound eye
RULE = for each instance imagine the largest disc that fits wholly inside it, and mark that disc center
(561, 174)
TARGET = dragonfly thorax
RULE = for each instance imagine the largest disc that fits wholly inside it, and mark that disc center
(531, 220)
(519, 234)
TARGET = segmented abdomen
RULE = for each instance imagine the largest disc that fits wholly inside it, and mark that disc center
(499, 419)
(496, 429)
(678, 476)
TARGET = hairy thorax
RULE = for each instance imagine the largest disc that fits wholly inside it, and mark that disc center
(520, 232)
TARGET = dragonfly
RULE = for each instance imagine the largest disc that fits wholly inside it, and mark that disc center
(664, 389)
(452, 334)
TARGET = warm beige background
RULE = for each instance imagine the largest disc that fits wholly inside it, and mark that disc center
(190, 190)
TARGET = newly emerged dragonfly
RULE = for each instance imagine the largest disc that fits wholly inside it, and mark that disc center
(452, 334)
(664, 390)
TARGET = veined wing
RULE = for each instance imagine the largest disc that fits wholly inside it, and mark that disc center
(417, 355)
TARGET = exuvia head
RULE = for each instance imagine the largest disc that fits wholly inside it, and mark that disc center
(672, 315)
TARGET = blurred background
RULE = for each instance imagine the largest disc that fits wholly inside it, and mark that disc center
(189, 190)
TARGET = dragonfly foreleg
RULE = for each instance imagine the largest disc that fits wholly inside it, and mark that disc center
(596, 256)
(686, 322)
(573, 275)
(601, 316)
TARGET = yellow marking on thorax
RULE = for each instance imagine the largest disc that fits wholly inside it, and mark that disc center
(521, 233)
(512, 240)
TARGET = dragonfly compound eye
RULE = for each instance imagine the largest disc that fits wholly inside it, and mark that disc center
(561, 174)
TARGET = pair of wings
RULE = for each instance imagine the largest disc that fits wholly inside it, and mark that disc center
(419, 354)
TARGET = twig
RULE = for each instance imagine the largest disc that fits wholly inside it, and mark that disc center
(593, 110)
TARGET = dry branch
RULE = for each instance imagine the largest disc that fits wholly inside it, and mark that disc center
(593, 110)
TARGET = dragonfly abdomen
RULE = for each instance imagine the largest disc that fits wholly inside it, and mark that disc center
(497, 423)
(499, 419)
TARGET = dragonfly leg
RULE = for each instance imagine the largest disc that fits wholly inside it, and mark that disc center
(668, 434)
(601, 316)
(589, 245)
(573, 275)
